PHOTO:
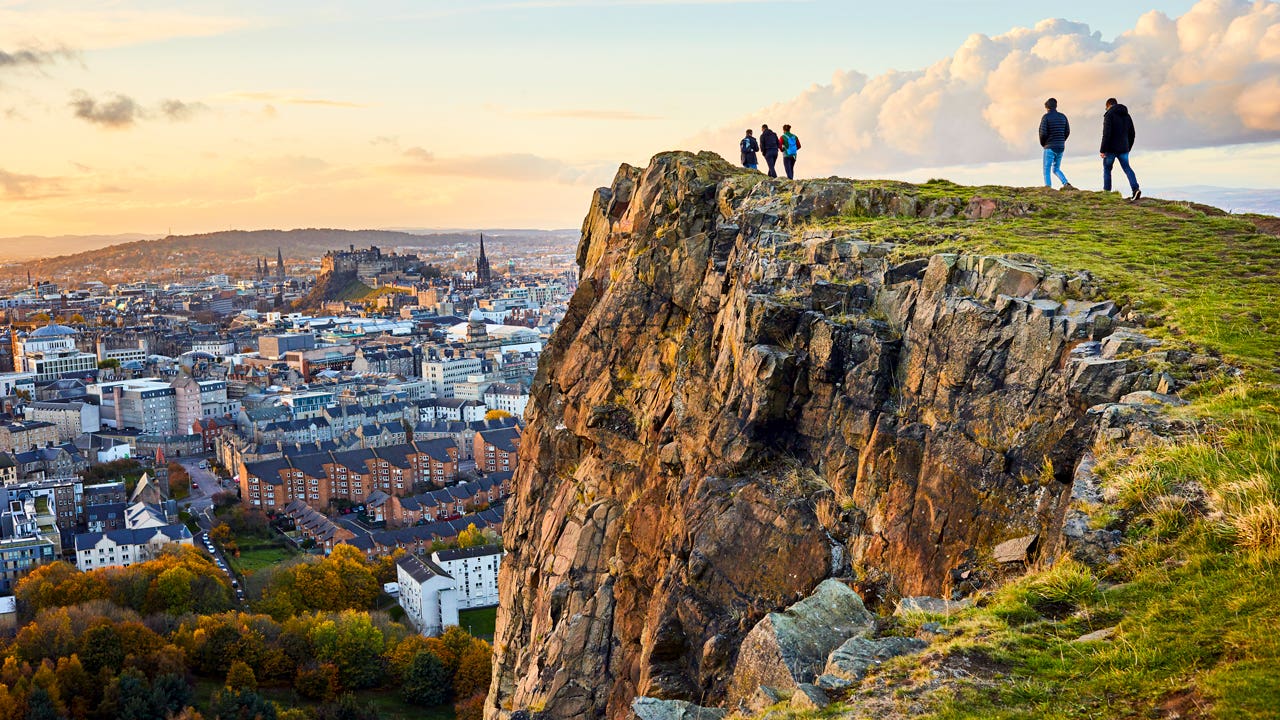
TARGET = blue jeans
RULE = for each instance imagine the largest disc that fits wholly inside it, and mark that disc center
(1053, 161)
(1108, 160)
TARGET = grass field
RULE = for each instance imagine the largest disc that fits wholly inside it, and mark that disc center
(251, 561)
(479, 622)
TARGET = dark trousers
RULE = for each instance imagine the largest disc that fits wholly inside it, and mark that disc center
(789, 162)
(771, 157)
(1108, 161)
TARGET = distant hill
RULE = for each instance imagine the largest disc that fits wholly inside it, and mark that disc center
(220, 251)
(31, 247)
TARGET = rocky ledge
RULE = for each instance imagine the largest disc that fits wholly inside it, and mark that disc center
(748, 397)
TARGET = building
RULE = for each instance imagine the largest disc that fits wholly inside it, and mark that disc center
(320, 478)
(475, 574)
(50, 353)
(71, 419)
(144, 404)
(507, 397)
(28, 538)
(18, 383)
(483, 274)
(443, 374)
(275, 347)
(496, 450)
(24, 435)
(427, 595)
(196, 400)
(122, 548)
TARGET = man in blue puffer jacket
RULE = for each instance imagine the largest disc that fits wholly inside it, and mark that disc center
(1054, 131)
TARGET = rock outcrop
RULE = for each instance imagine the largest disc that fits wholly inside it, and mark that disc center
(741, 403)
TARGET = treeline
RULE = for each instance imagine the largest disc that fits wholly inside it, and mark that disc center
(131, 642)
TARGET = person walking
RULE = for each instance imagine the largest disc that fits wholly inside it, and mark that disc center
(769, 146)
(749, 148)
(1054, 131)
(1117, 140)
(790, 146)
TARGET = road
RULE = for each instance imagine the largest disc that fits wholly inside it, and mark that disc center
(200, 504)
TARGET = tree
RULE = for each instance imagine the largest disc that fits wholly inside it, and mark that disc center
(319, 683)
(497, 415)
(347, 708)
(470, 709)
(109, 364)
(170, 693)
(354, 645)
(242, 705)
(426, 681)
(40, 317)
(471, 537)
(102, 647)
(474, 670)
(240, 677)
(40, 705)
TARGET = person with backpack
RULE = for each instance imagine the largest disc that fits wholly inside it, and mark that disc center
(790, 146)
(749, 148)
(769, 146)
(1054, 131)
(1117, 140)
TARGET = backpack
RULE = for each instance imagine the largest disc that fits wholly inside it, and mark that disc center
(746, 145)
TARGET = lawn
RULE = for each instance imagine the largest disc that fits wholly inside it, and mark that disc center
(262, 556)
(479, 622)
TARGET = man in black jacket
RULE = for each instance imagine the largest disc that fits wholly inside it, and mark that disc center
(1117, 140)
(1054, 131)
(769, 146)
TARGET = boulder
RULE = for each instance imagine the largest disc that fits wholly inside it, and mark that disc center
(931, 605)
(1015, 550)
(647, 708)
(831, 683)
(857, 655)
(788, 648)
(809, 697)
(763, 698)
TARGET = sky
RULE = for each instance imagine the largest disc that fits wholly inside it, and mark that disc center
(133, 116)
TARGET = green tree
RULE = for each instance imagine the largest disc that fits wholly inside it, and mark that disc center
(171, 591)
(347, 708)
(102, 647)
(426, 681)
(240, 677)
(170, 693)
(40, 705)
(108, 364)
(242, 705)
(354, 645)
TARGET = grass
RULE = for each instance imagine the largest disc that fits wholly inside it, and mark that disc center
(251, 561)
(1195, 597)
(479, 622)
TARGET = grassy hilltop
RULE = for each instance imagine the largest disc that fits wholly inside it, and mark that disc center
(1191, 611)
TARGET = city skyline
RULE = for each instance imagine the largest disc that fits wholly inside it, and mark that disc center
(132, 118)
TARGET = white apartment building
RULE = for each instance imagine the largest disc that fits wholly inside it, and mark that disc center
(444, 374)
(427, 595)
(474, 572)
(15, 382)
(122, 548)
(503, 396)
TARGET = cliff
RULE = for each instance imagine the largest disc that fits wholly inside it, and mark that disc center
(762, 384)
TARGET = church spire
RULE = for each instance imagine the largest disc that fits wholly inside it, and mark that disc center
(483, 275)
(279, 263)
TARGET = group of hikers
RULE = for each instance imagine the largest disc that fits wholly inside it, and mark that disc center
(1117, 140)
(769, 145)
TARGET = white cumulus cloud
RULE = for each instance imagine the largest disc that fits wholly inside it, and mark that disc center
(1207, 78)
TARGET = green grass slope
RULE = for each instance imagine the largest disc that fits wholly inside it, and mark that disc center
(1191, 612)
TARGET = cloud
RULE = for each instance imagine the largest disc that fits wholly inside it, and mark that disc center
(287, 99)
(30, 57)
(17, 186)
(507, 166)
(1205, 79)
(177, 110)
(120, 111)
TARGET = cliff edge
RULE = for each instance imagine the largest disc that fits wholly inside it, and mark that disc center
(756, 388)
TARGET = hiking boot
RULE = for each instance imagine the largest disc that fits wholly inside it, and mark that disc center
(1137, 194)
(1068, 186)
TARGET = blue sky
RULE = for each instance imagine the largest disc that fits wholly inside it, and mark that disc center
(425, 113)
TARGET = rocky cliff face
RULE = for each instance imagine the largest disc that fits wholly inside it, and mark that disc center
(742, 402)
